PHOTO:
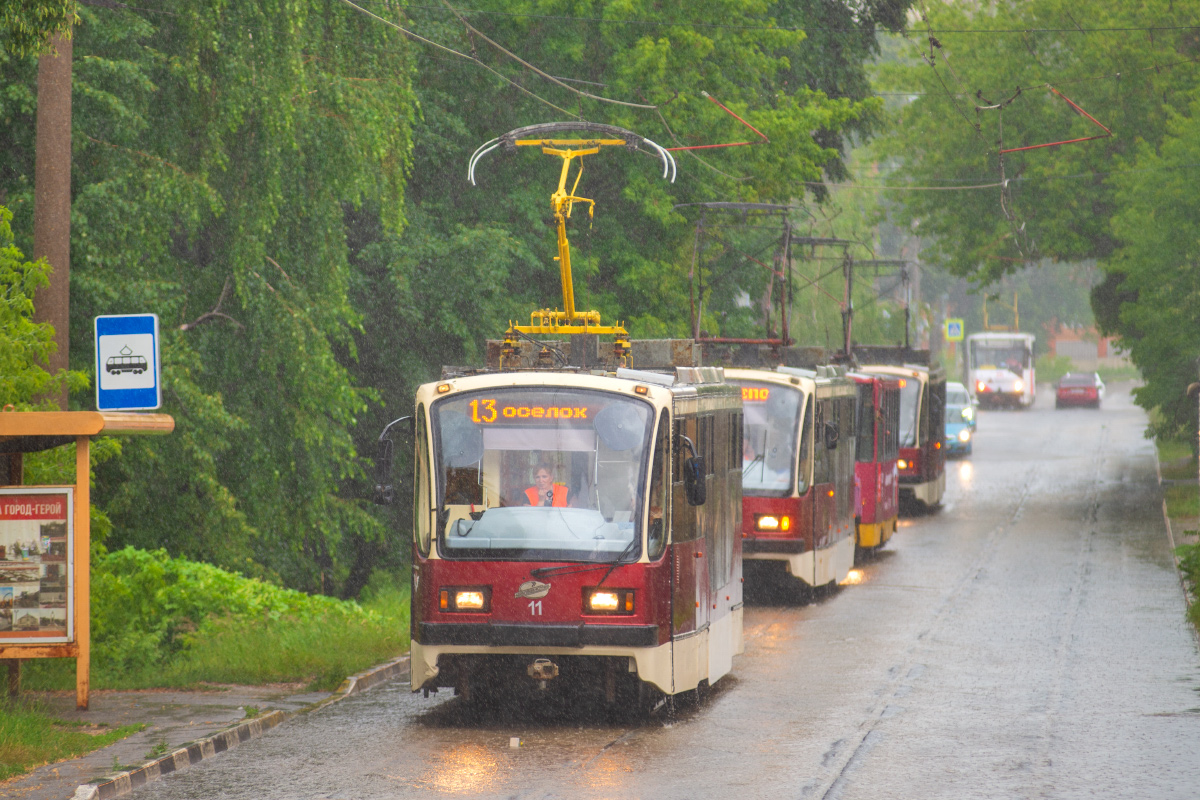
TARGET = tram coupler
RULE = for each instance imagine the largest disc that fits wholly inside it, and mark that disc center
(542, 670)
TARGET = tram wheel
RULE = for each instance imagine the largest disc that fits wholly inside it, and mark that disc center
(636, 700)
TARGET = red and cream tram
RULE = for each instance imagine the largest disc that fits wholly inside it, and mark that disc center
(877, 446)
(626, 575)
(922, 461)
(576, 523)
(798, 470)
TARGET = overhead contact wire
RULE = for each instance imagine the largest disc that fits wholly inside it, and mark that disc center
(534, 69)
(452, 51)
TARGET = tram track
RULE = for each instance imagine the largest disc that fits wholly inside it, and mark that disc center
(846, 755)
(1066, 629)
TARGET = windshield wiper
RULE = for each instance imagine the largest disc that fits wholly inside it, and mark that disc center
(587, 566)
(567, 569)
(616, 562)
(757, 459)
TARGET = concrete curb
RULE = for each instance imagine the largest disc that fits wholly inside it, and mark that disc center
(194, 752)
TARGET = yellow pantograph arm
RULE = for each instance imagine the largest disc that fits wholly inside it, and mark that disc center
(561, 203)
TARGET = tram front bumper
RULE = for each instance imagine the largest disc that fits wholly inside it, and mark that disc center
(521, 635)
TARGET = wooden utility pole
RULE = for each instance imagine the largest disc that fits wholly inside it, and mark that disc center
(52, 199)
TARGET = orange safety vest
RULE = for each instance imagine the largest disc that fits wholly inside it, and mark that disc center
(559, 500)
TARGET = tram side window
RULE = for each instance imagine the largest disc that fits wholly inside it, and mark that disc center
(660, 478)
(937, 407)
(845, 453)
(822, 468)
(683, 514)
(421, 497)
(865, 408)
(735, 440)
(705, 445)
(806, 447)
(923, 415)
(891, 422)
(718, 529)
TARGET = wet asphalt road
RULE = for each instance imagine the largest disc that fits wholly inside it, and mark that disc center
(1026, 641)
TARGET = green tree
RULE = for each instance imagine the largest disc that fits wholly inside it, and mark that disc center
(26, 344)
(28, 25)
(1073, 202)
(218, 150)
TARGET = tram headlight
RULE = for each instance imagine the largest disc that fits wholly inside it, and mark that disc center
(771, 522)
(964, 435)
(1018, 385)
(980, 386)
(467, 598)
(608, 601)
(901, 463)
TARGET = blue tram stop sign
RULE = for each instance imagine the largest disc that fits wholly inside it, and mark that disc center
(127, 363)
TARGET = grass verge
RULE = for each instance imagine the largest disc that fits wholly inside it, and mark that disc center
(1177, 463)
(161, 622)
(30, 738)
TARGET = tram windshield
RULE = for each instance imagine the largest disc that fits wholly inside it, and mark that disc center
(540, 474)
(910, 411)
(1013, 356)
(770, 422)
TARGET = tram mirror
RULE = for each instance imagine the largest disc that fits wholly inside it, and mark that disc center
(620, 426)
(462, 440)
(385, 492)
(831, 436)
(693, 481)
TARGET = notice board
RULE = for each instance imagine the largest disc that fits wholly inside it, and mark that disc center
(37, 558)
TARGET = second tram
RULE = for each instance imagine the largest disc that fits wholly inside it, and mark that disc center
(877, 449)
(1000, 369)
(798, 470)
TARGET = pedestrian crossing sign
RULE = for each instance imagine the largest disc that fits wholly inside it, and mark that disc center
(954, 330)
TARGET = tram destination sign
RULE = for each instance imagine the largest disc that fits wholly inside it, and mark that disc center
(127, 363)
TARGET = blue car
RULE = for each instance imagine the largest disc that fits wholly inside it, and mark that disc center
(960, 420)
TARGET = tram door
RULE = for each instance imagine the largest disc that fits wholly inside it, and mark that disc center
(689, 574)
(824, 511)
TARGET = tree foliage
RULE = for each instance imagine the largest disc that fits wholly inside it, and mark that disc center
(1122, 200)
(28, 25)
(26, 344)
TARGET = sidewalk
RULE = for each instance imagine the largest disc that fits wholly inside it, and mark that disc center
(182, 728)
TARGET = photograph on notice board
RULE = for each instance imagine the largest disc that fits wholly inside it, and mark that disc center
(36, 536)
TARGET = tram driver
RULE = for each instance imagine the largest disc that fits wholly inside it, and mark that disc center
(545, 492)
